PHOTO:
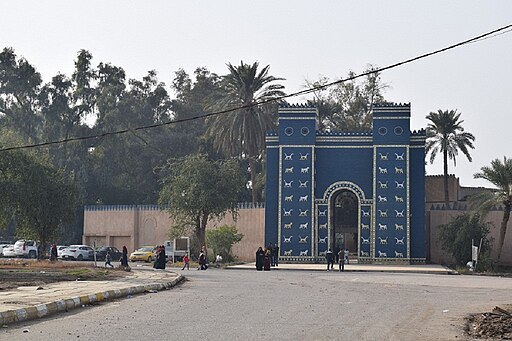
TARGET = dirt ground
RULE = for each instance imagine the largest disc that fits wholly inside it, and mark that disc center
(495, 325)
(16, 273)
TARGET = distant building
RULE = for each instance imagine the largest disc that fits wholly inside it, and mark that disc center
(361, 190)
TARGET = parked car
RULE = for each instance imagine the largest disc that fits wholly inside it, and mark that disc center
(78, 252)
(2, 248)
(101, 253)
(8, 251)
(26, 248)
(60, 248)
(144, 253)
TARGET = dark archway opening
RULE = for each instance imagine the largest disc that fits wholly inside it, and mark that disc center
(344, 234)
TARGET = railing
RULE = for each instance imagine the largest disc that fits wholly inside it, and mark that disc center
(89, 208)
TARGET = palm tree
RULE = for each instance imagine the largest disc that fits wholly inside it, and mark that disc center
(445, 134)
(500, 175)
(241, 132)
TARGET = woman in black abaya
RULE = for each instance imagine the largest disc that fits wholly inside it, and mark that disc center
(260, 256)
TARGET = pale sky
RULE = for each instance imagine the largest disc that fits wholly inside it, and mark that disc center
(299, 39)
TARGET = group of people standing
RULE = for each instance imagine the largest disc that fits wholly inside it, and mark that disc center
(160, 259)
(342, 258)
(267, 258)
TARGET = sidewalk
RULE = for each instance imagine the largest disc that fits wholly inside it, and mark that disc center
(27, 303)
(419, 268)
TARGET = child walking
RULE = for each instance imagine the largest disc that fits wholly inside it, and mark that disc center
(186, 262)
(108, 259)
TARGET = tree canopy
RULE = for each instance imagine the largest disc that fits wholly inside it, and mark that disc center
(500, 175)
(196, 189)
(347, 105)
(446, 135)
(41, 198)
(241, 132)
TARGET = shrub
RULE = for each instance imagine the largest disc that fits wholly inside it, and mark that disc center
(221, 241)
(456, 237)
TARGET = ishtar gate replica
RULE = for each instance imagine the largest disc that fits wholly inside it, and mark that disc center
(358, 190)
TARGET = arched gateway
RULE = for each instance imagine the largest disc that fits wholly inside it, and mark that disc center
(361, 190)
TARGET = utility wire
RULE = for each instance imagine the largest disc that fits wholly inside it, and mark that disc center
(491, 34)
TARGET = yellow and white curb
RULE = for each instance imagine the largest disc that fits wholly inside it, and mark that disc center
(42, 310)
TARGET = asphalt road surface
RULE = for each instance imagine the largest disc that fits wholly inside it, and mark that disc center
(283, 305)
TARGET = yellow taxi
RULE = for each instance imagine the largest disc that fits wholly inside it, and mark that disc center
(144, 253)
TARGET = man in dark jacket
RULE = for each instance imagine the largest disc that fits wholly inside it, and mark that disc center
(330, 259)
(275, 255)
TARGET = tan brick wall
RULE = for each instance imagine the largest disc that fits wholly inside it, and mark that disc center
(250, 223)
(440, 217)
(150, 227)
(434, 188)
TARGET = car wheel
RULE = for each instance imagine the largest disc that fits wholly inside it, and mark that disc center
(32, 254)
(150, 259)
(80, 257)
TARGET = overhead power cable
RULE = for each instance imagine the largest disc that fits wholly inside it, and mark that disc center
(491, 34)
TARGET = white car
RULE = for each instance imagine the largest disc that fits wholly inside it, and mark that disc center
(60, 248)
(8, 251)
(26, 248)
(2, 248)
(78, 252)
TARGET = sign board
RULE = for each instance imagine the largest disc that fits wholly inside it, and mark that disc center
(182, 244)
(474, 253)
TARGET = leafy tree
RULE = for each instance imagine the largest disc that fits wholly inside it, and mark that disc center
(191, 99)
(197, 189)
(446, 135)
(19, 89)
(347, 105)
(456, 236)
(222, 239)
(40, 197)
(500, 175)
(241, 133)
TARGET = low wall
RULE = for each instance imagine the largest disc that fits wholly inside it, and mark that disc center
(440, 217)
(136, 225)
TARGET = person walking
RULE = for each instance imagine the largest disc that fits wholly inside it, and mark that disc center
(108, 259)
(53, 253)
(341, 260)
(275, 255)
(260, 255)
(186, 262)
(330, 259)
(202, 261)
(346, 254)
(124, 257)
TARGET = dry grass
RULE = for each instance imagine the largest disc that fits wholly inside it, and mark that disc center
(41, 264)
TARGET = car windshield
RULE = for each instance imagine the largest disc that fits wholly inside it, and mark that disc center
(102, 248)
(145, 249)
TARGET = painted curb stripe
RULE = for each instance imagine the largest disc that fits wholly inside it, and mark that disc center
(42, 310)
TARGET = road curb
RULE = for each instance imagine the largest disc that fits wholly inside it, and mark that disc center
(47, 309)
(415, 271)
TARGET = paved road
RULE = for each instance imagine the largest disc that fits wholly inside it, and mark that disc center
(284, 305)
